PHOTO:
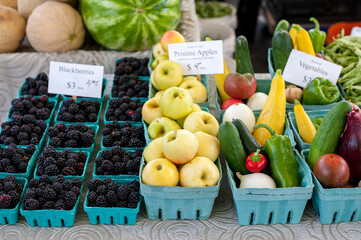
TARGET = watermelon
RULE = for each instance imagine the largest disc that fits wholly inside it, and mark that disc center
(129, 25)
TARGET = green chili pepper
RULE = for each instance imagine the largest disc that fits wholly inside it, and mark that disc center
(317, 122)
(282, 25)
(318, 37)
(283, 163)
(320, 91)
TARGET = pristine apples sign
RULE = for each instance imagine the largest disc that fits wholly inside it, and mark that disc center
(198, 57)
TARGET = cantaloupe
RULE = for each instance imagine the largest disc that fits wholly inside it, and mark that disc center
(26, 7)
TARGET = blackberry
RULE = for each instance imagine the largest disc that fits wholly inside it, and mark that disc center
(57, 186)
(92, 197)
(111, 197)
(39, 192)
(71, 163)
(134, 185)
(106, 154)
(60, 205)
(67, 185)
(75, 190)
(139, 132)
(116, 158)
(108, 140)
(118, 168)
(101, 190)
(77, 182)
(33, 183)
(10, 169)
(42, 124)
(49, 205)
(87, 139)
(58, 179)
(44, 179)
(81, 118)
(55, 142)
(14, 130)
(132, 166)
(70, 199)
(68, 171)
(51, 170)
(15, 198)
(32, 204)
(117, 151)
(132, 205)
(29, 195)
(53, 131)
(29, 118)
(49, 193)
(71, 144)
(5, 201)
(9, 152)
(135, 142)
(134, 197)
(49, 161)
(22, 136)
(9, 186)
(93, 184)
(73, 135)
(122, 204)
(101, 201)
(123, 192)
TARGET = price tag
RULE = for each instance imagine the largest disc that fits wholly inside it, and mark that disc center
(356, 31)
(75, 79)
(301, 68)
(198, 57)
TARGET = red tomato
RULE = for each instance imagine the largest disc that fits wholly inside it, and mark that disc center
(332, 171)
(240, 86)
(229, 102)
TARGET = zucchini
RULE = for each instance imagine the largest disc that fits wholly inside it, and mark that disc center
(243, 59)
(250, 144)
(282, 25)
(232, 147)
(329, 132)
(281, 48)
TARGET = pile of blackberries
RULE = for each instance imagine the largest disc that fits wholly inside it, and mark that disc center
(129, 85)
(107, 193)
(71, 136)
(22, 130)
(10, 192)
(118, 161)
(14, 159)
(124, 109)
(123, 135)
(37, 86)
(129, 65)
(39, 107)
(83, 111)
(56, 193)
(66, 162)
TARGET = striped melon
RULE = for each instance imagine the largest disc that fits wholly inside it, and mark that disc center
(129, 25)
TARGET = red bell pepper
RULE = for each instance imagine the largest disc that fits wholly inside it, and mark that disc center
(256, 162)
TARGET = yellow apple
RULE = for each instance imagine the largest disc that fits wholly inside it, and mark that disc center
(202, 121)
(180, 146)
(151, 110)
(175, 103)
(158, 60)
(160, 172)
(189, 78)
(158, 94)
(171, 36)
(208, 146)
(158, 50)
(199, 172)
(153, 150)
(196, 89)
(195, 108)
(156, 87)
(160, 126)
(168, 74)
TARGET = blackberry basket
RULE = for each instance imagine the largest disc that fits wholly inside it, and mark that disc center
(134, 124)
(56, 97)
(101, 99)
(173, 203)
(272, 206)
(112, 215)
(335, 205)
(121, 122)
(142, 78)
(10, 216)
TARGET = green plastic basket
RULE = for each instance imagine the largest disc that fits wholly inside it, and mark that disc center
(272, 205)
(101, 99)
(293, 124)
(106, 110)
(11, 216)
(335, 205)
(56, 97)
(134, 124)
(142, 78)
(112, 215)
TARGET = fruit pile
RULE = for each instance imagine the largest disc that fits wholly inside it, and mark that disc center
(82, 111)
(123, 135)
(36, 86)
(107, 193)
(40, 107)
(71, 136)
(56, 193)
(10, 192)
(67, 162)
(132, 65)
(124, 109)
(14, 159)
(117, 161)
(129, 85)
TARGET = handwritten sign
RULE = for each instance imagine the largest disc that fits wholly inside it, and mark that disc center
(198, 57)
(301, 68)
(75, 79)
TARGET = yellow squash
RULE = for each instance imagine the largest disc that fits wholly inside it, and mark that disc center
(274, 111)
(304, 42)
(305, 126)
(220, 82)
(293, 34)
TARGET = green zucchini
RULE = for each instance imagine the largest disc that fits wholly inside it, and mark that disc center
(282, 25)
(232, 147)
(250, 144)
(329, 132)
(243, 59)
(281, 48)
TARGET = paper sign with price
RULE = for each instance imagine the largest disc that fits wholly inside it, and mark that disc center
(198, 57)
(75, 79)
(301, 68)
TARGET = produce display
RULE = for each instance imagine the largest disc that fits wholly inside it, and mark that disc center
(82, 111)
(40, 108)
(36, 86)
(212, 9)
(71, 136)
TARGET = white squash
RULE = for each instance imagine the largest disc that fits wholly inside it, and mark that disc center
(240, 111)
(257, 101)
(256, 180)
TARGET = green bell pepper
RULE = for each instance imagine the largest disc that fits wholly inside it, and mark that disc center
(283, 163)
(317, 122)
(282, 25)
(318, 37)
(320, 91)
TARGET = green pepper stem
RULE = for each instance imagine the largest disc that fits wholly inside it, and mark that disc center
(256, 157)
(297, 27)
(296, 102)
(278, 73)
(262, 125)
(317, 25)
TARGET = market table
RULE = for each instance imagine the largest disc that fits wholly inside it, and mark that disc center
(222, 224)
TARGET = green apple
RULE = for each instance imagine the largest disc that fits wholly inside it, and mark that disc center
(160, 172)
(158, 60)
(153, 150)
(151, 79)
(151, 110)
(176, 103)
(159, 94)
(202, 121)
(158, 50)
(195, 108)
(208, 146)
(199, 172)
(180, 146)
(160, 126)
(196, 89)
(168, 74)
(189, 78)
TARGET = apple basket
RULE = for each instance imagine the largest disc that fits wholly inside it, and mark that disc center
(337, 204)
(272, 206)
(173, 203)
